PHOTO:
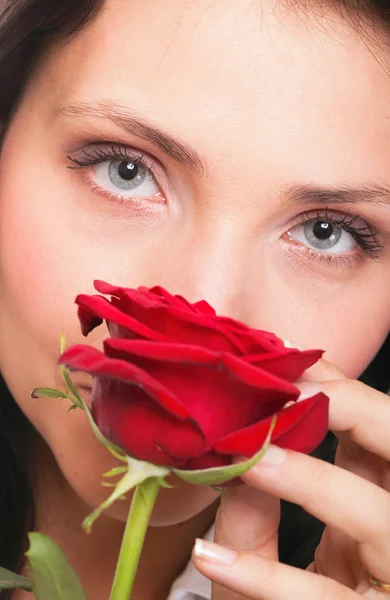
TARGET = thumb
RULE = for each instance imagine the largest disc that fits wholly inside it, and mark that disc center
(247, 520)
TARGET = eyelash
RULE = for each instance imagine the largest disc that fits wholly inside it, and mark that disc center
(365, 237)
(107, 151)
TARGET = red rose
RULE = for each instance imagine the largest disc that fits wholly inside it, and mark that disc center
(179, 386)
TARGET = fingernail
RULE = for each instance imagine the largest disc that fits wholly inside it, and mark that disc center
(308, 389)
(289, 344)
(214, 553)
(274, 457)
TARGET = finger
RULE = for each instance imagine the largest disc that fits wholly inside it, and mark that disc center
(350, 504)
(259, 578)
(323, 370)
(247, 520)
(358, 414)
(364, 446)
(356, 459)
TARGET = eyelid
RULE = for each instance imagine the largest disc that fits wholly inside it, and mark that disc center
(109, 150)
(367, 238)
(100, 152)
(330, 261)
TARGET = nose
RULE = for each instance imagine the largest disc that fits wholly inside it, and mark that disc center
(216, 265)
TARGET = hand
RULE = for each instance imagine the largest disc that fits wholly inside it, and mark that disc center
(351, 497)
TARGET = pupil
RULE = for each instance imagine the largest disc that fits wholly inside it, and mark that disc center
(323, 230)
(128, 170)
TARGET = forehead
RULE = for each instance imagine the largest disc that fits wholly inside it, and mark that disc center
(253, 72)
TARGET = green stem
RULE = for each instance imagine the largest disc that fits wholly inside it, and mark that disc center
(137, 523)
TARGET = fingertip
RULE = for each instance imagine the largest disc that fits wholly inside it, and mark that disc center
(323, 370)
(308, 389)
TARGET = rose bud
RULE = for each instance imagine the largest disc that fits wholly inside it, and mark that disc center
(178, 386)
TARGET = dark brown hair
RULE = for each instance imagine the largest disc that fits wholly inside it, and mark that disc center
(25, 27)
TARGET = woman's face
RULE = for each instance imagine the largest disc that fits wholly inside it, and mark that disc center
(234, 148)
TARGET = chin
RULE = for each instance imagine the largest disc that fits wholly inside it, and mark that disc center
(173, 506)
(184, 501)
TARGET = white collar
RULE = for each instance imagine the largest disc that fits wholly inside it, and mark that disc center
(192, 585)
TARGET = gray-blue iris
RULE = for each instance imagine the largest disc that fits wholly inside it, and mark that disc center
(126, 174)
(322, 234)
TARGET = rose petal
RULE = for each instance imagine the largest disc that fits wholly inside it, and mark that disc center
(204, 307)
(300, 427)
(167, 352)
(258, 377)
(106, 288)
(254, 340)
(289, 364)
(85, 358)
(172, 300)
(126, 415)
(88, 319)
(180, 325)
(103, 309)
(209, 460)
(217, 401)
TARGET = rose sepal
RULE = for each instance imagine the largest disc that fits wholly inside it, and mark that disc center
(137, 472)
(54, 393)
(113, 448)
(218, 475)
(79, 402)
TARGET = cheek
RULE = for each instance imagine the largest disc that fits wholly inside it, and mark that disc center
(33, 278)
(43, 266)
(345, 317)
(36, 296)
(352, 333)
(29, 275)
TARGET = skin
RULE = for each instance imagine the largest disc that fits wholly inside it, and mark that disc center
(283, 98)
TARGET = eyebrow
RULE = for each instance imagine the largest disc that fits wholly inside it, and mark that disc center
(344, 194)
(128, 120)
(132, 123)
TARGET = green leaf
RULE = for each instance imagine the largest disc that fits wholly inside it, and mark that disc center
(52, 576)
(218, 475)
(12, 581)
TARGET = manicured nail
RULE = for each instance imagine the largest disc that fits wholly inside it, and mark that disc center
(214, 553)
(274, 457)
(308, 389)
(289, 344)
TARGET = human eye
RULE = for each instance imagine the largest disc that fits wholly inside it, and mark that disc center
(335, 237)
(119, 173)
